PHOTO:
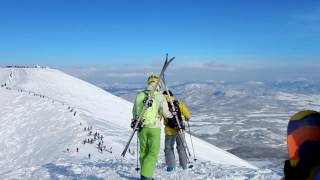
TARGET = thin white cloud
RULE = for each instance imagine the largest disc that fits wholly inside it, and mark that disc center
(211, 66)
(132, 73)
(196, 71)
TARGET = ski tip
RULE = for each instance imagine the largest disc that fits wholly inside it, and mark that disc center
(190, 166)
(171, 59)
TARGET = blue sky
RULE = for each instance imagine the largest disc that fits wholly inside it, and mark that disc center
(101, 32)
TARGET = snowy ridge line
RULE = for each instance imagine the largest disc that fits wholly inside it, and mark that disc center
(76, 92)
(72, 109)
(10, 79)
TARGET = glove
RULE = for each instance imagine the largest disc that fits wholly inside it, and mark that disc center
(183, 127)
(174, 113)
(134, 122)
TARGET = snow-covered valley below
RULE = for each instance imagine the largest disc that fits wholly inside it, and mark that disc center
(55, 126)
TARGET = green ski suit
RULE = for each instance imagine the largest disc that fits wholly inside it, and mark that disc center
(149, 136)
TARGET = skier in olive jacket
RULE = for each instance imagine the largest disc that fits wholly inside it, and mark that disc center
(149, 135)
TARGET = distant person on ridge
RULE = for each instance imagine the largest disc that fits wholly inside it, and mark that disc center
(172, 135)
(149, 132)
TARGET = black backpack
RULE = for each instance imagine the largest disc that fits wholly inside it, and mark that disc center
(172, 123)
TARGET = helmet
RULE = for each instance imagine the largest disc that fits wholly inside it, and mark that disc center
(303, 139)
(152, 78)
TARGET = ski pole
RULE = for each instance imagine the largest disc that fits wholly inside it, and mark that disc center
(185, 146)
(194, 155)
(137, 168)
(185, 143)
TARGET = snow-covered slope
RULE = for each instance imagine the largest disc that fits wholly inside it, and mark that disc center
(43, 116)
(57, 85)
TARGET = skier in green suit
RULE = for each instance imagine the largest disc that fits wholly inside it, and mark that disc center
(149, 133)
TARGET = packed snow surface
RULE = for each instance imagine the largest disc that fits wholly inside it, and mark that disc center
(47, 115)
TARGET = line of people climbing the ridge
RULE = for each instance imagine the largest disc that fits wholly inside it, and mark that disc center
(29, 67)
(96, 137)
(69, 150)
(93, 138)
(71, 109)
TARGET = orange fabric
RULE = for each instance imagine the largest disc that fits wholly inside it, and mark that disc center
(298, 137)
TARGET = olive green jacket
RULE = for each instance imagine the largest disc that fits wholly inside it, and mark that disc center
(153, 114)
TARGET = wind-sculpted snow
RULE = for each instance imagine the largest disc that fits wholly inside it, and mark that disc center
(54, 126)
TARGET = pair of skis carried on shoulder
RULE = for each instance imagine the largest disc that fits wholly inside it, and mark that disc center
(150, 97)
(145, 106)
